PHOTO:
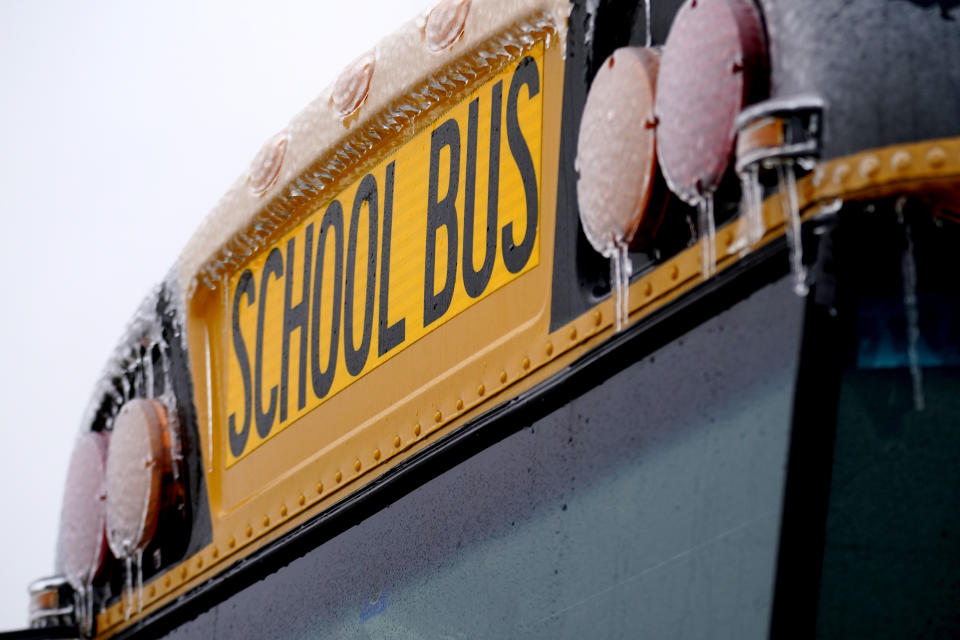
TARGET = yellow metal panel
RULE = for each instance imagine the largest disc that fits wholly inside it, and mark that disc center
(356, 310)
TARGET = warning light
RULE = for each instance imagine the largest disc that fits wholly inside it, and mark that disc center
(139, 454)
(617, 163)
(82, 542)
(714, 63)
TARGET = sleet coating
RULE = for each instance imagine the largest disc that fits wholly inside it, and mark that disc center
(134, 468)
(616, 150)
(82, 542)
(445, 23)
(404, 63)
(711, 61)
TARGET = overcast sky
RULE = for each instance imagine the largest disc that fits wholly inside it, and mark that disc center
(121, 124)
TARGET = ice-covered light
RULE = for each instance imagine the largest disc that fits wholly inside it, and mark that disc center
(714, 62)
(82, 542)
(617, 163)
(139, 451)
(351, 88)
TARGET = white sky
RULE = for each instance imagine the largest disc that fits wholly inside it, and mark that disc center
(121, 124)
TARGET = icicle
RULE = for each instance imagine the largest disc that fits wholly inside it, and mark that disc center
(708, 236)
(128, 586)
(138, 564)
(753, 206)
(620, 270)
(908, 269)
(791, 214)
(83, 601)
(646, 10)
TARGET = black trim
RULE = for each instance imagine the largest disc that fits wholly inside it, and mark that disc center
(758, 269)
(44, 633)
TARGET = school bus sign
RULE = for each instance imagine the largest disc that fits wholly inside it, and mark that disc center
(446, 220)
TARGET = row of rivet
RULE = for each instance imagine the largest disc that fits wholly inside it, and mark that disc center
(870, 165)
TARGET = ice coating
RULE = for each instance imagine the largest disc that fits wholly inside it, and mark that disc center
(445, 23)
(81, 540)
(752, 207)
(351, 88)
(266, 164)
(616, 161)
(707, 228)
(324, 150)
(908, 270)
(791, 212)
(616, 148)
(134, 472)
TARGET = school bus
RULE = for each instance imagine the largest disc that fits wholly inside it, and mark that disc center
(550, 319)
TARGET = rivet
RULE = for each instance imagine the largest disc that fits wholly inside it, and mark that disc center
(728, 239)
(438, 417)
(525, 363)
(183, 573)
(397, 442)
(573, 333)
(936, 157)
(597, 318)
(416, 429)
(459, 404)
(549, 349)
(283, 510)
(674, 272)
(351, 88)
(266, 521)
(376, 454)
(319, 487)
(199, 563)
(215, 553)
(302, 499)
(648, 289)
(869, 166)
(338, 477)
(153, 591)
(445, 23)
(818, 175)
(900, 160)
(249, 531)
(357, 466)
(265, 166)
(481, 390)
(231, 543)
(503, 377)
(166, 582)
(840, 174)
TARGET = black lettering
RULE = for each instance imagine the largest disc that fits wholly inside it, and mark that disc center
(273, 266)
(441, 213)
(515, 256)
(238, 439)
(356, 357)
(475, 281)
(387, 336)
(322, 380)
(295, 317)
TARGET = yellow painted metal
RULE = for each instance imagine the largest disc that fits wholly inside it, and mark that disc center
(486, 352)
(377, 310)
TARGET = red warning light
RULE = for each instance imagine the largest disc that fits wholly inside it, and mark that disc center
(82, 541)
(139, 455)
(714, 62)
